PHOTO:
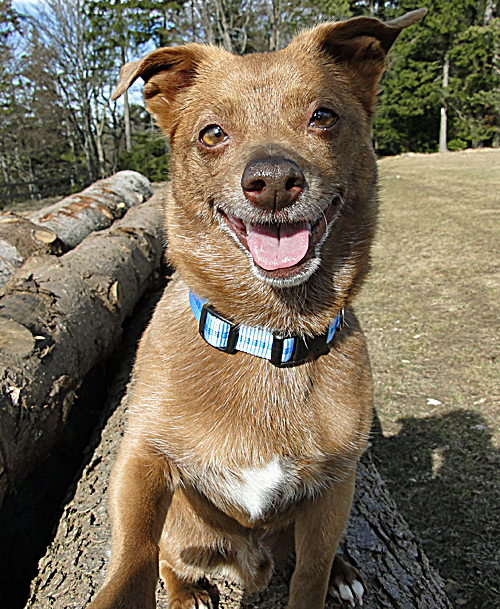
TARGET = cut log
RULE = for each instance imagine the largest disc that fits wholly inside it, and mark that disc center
(10, 260)
(60, 227)
(58, 318)
(19, 239)
(29, 238)
(377, 541)
(95, 208)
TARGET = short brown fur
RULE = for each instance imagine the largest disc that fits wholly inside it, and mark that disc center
(202, 422)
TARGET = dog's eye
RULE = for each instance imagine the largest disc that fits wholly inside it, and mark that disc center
(323, 118)
(212, 135)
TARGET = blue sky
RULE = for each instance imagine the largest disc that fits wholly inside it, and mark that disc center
(31, 6)
(26, 5)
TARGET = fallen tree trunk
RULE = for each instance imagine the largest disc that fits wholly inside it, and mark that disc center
(19, 239)
(377, 541)
(62, 226)
(58, 318)
(95, 208)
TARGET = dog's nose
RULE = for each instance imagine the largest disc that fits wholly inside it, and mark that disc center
(272, 183)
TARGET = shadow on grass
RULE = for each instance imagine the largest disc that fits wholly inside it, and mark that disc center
(444, 474)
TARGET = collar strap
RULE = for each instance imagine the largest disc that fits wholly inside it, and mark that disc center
(281, 351)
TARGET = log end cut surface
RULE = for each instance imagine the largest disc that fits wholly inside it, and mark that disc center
(15, 339)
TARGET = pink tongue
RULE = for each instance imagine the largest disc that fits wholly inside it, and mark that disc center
(278, 247)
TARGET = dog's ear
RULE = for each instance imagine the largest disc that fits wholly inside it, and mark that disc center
(166, 72)
(360, 46)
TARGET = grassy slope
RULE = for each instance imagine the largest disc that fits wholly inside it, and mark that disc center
(431, 312)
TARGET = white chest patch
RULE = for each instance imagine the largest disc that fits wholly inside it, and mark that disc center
(254, 490)
(258, 488)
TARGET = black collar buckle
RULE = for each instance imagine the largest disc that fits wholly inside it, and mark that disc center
(233, 329)
(304, 348)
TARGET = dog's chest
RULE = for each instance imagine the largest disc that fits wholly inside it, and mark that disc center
(256, 490)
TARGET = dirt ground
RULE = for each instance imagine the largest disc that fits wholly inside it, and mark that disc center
(431, 313)
(24, 208)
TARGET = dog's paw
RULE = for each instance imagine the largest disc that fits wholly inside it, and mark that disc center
(346, 584)
(200, 595)
(192, 597)
(185, 594)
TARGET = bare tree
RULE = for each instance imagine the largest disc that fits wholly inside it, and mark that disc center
(80, 72)
(33, 139)
(276, 26)
(9, 27)
(488, 12)
(225, 22)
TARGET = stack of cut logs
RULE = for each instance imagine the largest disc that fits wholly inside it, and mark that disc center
(70, 274)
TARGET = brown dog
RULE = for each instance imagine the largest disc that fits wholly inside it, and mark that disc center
(242, 442)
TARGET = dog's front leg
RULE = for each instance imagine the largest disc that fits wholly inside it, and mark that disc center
(140, 494)
(318, 529)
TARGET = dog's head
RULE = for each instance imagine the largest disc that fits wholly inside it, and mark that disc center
(273, 171)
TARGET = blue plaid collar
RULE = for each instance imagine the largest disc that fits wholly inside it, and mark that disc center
(280, 351)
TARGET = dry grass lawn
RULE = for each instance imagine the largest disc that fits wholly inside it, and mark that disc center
(431, 313)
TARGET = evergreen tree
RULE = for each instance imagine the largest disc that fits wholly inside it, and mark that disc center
(474, 97)
(150, 152)
(452, 38)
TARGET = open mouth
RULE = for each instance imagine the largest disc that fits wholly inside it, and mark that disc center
(280, 249)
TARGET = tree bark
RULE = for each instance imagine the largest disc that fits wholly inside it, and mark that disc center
(443, 145)
(488, 12)
(193, 22)
(10, 260)
(5, 174)
(95, 208)
(223, 26)
(126, 118)
(60, 227)
(58, 318)
(126, 107)
(377, 541)
(99, 128)
(275, 38)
